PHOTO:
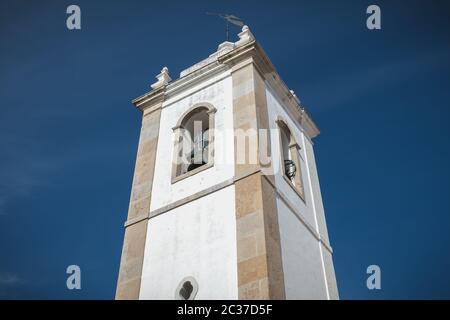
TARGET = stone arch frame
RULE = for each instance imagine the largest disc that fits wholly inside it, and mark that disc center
(294, 150)
(177, 175)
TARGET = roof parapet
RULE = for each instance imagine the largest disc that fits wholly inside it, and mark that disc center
(230, 53)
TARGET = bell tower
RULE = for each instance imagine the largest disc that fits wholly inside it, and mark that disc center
(225, 201)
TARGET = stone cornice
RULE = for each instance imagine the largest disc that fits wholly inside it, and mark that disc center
(150, 99)
(155, 96)
(224, 184)
(194, 78)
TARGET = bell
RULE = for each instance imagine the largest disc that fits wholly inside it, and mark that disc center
(289, 168)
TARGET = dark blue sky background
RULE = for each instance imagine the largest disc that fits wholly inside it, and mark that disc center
(68, 132)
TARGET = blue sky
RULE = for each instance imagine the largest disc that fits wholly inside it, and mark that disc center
(68, 132)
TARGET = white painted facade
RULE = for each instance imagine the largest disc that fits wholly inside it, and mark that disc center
(198, 238)
(216, 91)
(307, 265)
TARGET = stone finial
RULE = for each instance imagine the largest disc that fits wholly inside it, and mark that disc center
(295, 97)
(163, 79)
(224, 47)
(245, 36)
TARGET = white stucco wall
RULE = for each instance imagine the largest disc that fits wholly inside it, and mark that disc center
(307, 265)
(313, 182)
(198, 240)
(277, 111)
(216, 91)
(302, 265)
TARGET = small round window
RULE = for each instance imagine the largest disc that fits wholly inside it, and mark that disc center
(187, 289)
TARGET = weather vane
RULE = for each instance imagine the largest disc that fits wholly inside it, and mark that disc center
(229, 18)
